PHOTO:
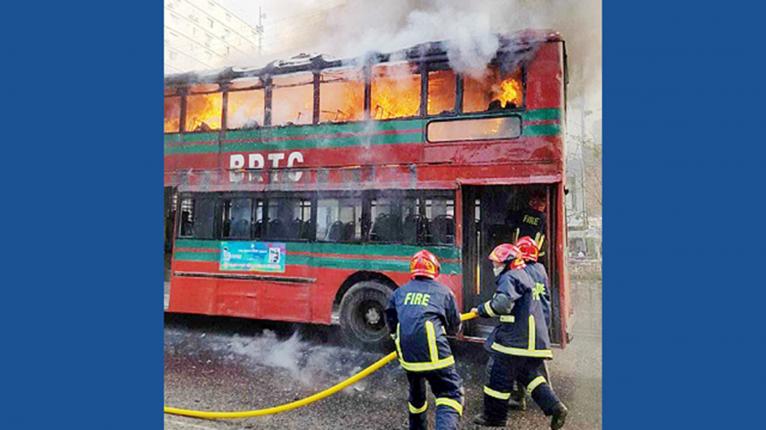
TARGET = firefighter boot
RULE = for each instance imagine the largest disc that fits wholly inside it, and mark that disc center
(495, 413)
(559, 416)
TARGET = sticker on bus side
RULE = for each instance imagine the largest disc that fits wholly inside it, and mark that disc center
(253, 257)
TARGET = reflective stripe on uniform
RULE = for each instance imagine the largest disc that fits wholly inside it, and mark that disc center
(496, 394)
(536, 353)
(423, 367)
(507, 318)
(488, 309)
(531, 344)
(433, 351)
(535, 382)
(420, 410)
(434, 364)
(454, 404)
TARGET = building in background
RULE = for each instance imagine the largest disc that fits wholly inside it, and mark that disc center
(202, 34)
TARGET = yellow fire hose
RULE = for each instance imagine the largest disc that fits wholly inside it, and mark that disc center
(210, 415)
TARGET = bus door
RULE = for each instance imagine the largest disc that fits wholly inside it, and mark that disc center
(489, 219)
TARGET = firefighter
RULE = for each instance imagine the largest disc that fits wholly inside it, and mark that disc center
(530, 253)
(420, 315)
(518, 345)
(530, 221)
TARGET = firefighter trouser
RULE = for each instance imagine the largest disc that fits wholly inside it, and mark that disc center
(519, 391)
(502, 371)
(447, 387)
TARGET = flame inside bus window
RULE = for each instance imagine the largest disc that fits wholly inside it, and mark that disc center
(172, 114)
(395, 91)
(441, 91)
(341, 95)
(493, 92)
(292, 99)
(203, 112)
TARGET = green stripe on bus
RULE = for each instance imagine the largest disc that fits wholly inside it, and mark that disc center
(327, 262)
(542, 130)
(191, 243)
(384, 250)
(542, 114)
(354, 127)
(196, 256)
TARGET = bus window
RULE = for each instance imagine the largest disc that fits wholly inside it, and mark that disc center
(492, 92)
(246, 105)
(412, 221)
(289, 218)
(385, 223)
(197, 218)
(341, 95)
(292, 100)
(338, 220)
(395, 91)
(237, 215)
(172, 114)
(441, 91)
(203, 111)
(439, 221)
(505, 127)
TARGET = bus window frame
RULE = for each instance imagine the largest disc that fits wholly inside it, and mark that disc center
(222, 89)
(397, 196)
(495, 63)
(194, 196)
(436, 66)
(225, 108)
(492, 115)
(341, 195)
(295, 195)
(418, 66)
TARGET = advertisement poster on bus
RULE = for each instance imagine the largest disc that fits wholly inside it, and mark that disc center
(253, 257)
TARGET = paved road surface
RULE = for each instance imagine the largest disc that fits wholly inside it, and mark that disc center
(229, 364)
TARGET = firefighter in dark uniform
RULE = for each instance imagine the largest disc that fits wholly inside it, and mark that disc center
(530, 221)
(518, 345)
(530, 253)
(420, 315)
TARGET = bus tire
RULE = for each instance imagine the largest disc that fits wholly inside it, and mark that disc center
(362, 315)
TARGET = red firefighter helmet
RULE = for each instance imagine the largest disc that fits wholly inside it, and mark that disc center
(507, 253)
(423, 263)
(528, 247)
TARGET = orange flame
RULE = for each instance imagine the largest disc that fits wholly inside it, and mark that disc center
(395, 92)
(508, 91)
(203, 112)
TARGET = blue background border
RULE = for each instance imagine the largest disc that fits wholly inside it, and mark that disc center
(81, 215)
(683, 230)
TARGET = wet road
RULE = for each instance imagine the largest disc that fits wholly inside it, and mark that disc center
(229, 364)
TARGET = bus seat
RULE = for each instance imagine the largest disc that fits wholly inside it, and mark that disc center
(335, 233)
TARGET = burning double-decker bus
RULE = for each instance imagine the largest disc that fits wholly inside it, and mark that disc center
(299, 191)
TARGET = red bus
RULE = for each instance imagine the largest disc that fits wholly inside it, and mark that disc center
(298, 191)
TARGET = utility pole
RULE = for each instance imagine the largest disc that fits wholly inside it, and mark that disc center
(259, 30)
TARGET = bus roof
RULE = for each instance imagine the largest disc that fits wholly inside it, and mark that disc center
(430, 51)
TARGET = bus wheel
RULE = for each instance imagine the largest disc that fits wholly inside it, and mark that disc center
(362, 314)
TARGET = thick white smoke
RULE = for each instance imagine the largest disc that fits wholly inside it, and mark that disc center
(357, 27)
